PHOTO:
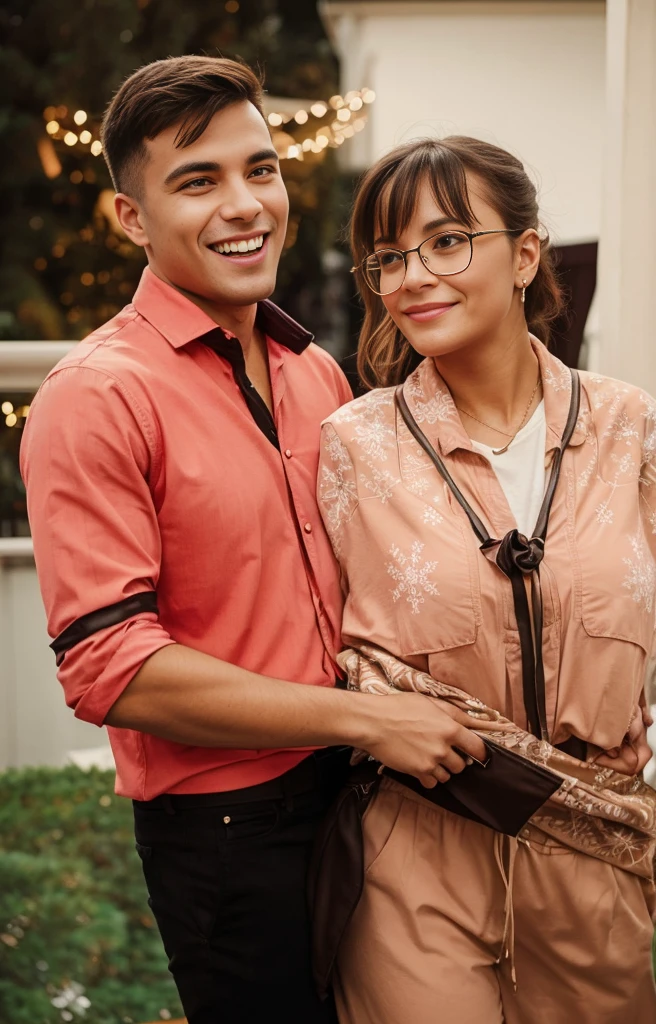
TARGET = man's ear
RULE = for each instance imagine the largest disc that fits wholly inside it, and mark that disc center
(129, 216)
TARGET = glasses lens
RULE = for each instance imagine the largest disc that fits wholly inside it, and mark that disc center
(446, 253)
(384, 271)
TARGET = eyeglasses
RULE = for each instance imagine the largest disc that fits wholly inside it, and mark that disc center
(444, 254)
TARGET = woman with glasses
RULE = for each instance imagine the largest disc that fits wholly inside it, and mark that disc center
(494, 516)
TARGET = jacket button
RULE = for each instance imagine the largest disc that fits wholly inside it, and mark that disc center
(226, 820)
(308, 527)
(288, 453)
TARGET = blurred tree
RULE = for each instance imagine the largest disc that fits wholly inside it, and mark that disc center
(65, 266)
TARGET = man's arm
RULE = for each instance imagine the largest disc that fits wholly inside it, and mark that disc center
(91, 462)
(190, 697)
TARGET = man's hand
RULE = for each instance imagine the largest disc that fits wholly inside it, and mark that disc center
(418, 735)
(635, 753)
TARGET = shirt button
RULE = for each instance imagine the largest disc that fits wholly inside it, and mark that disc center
(308, 527)
(288, 453)
(226, 820)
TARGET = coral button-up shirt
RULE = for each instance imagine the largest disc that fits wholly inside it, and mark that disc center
(146, 472)
(418, 585)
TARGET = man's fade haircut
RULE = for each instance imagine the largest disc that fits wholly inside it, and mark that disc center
(185, 91)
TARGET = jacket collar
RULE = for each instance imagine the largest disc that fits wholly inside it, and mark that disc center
(180, 320)
(434, 410)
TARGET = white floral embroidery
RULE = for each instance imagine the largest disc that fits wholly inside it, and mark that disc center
(586, 474)
(375, 437)
(432, 517)
(641, 577)
(621, 429)
(364, 407)
(337, 490)
(648, 451)
(604, 514)
(562, 382)
(625, 463)
(411, 576)
(380, 483)
(418, 486)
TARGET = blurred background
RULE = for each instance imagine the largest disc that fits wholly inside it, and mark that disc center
(569, 86)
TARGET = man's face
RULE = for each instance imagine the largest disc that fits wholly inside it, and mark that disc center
(199, 204)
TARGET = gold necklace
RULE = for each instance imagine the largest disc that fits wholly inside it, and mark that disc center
(500, 451)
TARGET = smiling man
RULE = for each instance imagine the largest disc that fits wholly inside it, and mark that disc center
(170, 463)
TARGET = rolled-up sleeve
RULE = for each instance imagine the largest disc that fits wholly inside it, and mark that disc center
(89, 458)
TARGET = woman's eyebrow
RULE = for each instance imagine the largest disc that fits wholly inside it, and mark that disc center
(430, 226)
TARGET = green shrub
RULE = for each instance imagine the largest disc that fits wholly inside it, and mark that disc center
(77, 941)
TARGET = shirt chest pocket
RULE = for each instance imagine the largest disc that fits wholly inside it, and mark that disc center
(433, 581)
(617, 579)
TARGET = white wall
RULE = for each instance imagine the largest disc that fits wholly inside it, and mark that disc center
(528, 76)
(36, 727)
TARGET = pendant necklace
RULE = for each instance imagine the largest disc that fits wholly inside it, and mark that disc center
(500, 451)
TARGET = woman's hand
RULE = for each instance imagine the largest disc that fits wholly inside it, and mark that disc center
(635, 753)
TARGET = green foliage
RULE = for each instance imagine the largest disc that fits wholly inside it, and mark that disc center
(74, 923)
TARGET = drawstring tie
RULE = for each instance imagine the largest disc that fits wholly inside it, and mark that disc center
(507, 950)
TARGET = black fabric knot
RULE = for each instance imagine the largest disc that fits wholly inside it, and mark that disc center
(517, 551)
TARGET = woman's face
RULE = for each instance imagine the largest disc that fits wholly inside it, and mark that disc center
(443, 315)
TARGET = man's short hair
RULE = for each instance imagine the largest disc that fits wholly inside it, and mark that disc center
(186, 91)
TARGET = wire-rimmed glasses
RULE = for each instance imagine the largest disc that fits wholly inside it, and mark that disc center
(444, 254)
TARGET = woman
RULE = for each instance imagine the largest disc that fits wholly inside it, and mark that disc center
(458, 923)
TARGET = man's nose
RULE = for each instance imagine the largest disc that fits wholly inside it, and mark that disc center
(239, 203)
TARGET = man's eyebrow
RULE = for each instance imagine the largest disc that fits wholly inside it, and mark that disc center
(193, 167)
(205, 166)
(430, 226)
(262, 154)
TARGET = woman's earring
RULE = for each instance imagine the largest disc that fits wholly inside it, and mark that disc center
(523, 299)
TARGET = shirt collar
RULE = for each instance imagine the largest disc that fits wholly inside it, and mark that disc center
(180, 320)
(434, 410)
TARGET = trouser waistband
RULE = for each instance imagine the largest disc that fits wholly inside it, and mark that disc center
(304, 777)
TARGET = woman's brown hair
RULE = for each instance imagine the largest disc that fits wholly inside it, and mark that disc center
(384, 204)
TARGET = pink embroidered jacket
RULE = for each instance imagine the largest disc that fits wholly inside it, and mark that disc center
(417, 585)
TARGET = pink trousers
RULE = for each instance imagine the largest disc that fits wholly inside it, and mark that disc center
(445, 899)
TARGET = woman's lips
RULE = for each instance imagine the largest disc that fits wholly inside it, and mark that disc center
(430, 312)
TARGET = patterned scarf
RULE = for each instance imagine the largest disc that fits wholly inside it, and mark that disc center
(596, 811)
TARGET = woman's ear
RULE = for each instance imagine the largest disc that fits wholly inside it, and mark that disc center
(527, 257)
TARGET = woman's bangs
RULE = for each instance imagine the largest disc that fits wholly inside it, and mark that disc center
(397, 199)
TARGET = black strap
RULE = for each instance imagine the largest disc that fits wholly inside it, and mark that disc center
(112, 614)
(517, 556)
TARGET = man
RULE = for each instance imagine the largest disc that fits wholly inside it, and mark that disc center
(170, 464)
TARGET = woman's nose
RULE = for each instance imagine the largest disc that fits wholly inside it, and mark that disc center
(417, 274)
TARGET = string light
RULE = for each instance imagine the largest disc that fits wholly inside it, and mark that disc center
(347, 113)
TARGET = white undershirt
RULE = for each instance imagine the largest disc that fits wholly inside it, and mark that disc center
(521, 472)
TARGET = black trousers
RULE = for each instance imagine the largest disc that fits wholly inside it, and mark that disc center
(226, 875)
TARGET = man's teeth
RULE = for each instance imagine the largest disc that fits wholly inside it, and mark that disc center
(244, 245)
